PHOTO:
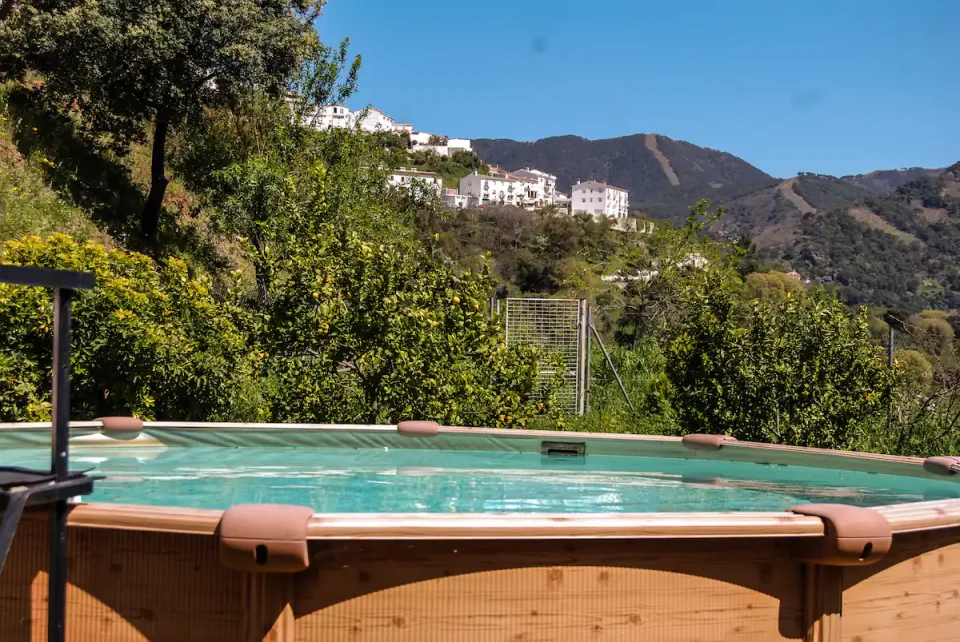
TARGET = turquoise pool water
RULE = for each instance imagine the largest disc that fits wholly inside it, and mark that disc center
(340, 480)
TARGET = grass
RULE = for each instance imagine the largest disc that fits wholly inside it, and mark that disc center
(28, 205)
(52, 178)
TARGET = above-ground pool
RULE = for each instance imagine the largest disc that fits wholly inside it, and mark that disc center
(423, 533)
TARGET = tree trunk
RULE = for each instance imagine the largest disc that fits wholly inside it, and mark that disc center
(6, 8)
(150, 218)
(261, 272)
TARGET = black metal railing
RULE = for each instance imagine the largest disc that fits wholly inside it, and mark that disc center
(21, 487)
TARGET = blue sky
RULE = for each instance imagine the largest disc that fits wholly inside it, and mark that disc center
(830, 86)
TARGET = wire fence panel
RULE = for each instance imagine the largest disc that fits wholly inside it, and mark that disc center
(555, 326)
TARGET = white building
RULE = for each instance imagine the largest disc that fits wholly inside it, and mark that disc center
(547, 183)
(498, 189)
(440, 145)
(459, 144)
(330, 117)
(411, 179)
(599, 199)
(340, 117)
(374, 120)
(455, 201)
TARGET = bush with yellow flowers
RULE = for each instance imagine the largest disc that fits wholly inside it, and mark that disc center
(150, 340)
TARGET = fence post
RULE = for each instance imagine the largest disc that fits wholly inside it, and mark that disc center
(890, 384)
(588, 371)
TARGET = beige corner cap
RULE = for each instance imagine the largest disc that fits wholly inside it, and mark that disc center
(852, 536)
(696, 441)
(942, 465)
(418, 428)
(120, 424)
(270, 538)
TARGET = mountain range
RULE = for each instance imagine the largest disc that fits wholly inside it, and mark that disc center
(889, 237)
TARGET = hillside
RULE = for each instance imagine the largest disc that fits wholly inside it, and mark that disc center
(664, 176)
(886, 180)
(773, 215)
(897, 249)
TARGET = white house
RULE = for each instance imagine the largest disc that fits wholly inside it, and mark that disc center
(502, 189)
(547, 182)
(408, 179)
(456, 201)
(455, 144)
(374, 120)
(340, 117)
(330, 117)
(599, 199)
(440, 145)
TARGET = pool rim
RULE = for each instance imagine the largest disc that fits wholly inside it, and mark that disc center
(126, 432)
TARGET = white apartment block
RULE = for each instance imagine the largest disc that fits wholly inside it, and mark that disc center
(499, 189)
(547, 183)
(599, 199)
(411, 179)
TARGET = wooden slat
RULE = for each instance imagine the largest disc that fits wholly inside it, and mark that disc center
(823, 603)
(124, 586)
(594, 526)
(911, 595)
(550, 591)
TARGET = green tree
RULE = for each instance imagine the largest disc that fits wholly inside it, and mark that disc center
(378, 332)
(801, 371)
(661, 269)
(123, 63)
(772, 286)
(149, 340)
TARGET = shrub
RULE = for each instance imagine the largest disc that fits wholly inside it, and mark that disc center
(802, 371)
(148, 340)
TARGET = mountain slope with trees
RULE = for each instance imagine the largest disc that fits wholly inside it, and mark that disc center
(630, 163)
(897, 249)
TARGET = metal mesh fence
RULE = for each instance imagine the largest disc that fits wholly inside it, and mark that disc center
(555, 326)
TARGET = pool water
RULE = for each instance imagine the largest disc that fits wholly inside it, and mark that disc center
(342, 480)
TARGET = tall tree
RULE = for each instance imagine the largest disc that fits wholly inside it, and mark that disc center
(120, 64)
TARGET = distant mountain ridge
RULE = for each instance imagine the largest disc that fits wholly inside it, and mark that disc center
(898, 248)
(664, 176)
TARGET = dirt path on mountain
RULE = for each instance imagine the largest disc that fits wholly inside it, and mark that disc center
(870, 219)
(651, 143)
(786, 190)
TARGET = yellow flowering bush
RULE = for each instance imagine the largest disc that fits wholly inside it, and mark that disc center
(150, 340)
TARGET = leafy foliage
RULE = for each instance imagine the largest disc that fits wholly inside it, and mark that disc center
(365, 332)
(800, 371)
(772, 286)
(149, 340)
(177, 58)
